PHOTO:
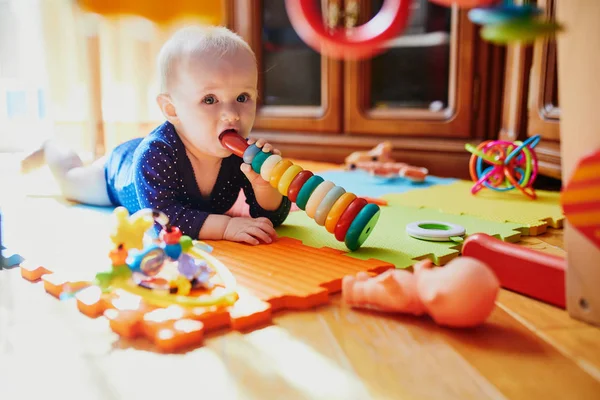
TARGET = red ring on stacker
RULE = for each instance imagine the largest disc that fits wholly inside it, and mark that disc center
(297, 184)
(347, 217)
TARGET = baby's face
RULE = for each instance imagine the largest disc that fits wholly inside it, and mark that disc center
(212, 95)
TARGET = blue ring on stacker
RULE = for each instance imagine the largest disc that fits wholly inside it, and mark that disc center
(259, 160)
(250, 153)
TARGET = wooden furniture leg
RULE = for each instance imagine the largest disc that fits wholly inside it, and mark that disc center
(579, 91)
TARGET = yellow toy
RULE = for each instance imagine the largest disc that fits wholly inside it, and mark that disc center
(159, 11)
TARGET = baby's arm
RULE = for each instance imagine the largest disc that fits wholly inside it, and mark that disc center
(158, 186)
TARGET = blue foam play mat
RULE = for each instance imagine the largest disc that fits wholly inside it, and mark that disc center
(362, 183)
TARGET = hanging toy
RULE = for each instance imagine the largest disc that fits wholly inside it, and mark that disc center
(354, 43)
(510, 165)
(159, 11)
(507, 23)
(350, 218)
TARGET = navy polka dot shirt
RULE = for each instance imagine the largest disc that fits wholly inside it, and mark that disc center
(155, 172)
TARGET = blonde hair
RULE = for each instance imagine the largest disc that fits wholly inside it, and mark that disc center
(194, 41)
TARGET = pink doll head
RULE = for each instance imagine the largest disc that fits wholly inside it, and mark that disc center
(459, 294)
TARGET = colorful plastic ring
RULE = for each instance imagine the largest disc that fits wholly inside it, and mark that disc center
(341, 228)
(317, 197)
(259, 160)
(362, 226)
(328, 201)
(250, 152)
(297, 184)
(308, 188)
(365, 40)
(435, 231)
(337, 209)
(278, 171)
(267, 167)
(287, 177)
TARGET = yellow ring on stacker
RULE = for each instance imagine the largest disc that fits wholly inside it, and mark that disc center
(317, 197)
(287, 177)
(337, 210)
(278, 171)
(267, 167)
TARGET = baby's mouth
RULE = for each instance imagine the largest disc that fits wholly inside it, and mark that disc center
(227, 131)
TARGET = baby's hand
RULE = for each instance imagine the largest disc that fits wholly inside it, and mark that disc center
(262, 144)
(254, 178)
(250, 230)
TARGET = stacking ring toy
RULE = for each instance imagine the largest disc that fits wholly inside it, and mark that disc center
(348, 43)
(436, 231)
(350, 218)
(508, 165)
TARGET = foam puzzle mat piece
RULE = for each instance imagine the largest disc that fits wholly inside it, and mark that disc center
(362, 184)
(389, 241)
(283, 275)
(512, 206)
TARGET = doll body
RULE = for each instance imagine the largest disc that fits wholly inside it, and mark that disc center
(460, 294)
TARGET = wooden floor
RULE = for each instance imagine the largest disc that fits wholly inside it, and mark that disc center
(527, 350)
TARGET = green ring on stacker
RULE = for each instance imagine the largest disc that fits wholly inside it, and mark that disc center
(259, 159)
(362, 226)
(307, 189)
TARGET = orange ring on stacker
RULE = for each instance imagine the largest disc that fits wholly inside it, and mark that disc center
(297, 184)
(278, 171)
(317, 197)
(337, 210)
(347, 217)
(287, 177)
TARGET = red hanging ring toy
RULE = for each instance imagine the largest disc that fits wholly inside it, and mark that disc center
(360, 42)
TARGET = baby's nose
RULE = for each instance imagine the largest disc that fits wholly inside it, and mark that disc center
(229, 115)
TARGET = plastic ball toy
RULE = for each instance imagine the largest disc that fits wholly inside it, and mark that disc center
(501, 165)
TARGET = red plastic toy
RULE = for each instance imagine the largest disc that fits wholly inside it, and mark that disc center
(526, 271)
(353, 43)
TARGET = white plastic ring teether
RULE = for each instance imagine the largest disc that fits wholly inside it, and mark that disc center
(436, 231)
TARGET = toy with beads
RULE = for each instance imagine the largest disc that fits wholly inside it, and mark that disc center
(510, 165)
(349, 217)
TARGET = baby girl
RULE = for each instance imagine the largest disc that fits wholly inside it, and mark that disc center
(208, 86)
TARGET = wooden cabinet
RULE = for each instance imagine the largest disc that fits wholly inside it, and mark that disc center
(531, 104)
(434, 89)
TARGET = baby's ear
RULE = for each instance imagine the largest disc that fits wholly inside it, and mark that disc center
(167, 107)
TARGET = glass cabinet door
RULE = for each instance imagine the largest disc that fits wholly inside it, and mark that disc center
(422, 84)
(298, 88)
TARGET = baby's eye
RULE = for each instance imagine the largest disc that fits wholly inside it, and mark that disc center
(210, 99)
(242, 98)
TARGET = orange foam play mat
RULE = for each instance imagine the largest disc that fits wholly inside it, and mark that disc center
(283, 275)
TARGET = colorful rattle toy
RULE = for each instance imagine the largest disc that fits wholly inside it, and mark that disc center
(511, 165)
(350, 218)
(170, 270)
